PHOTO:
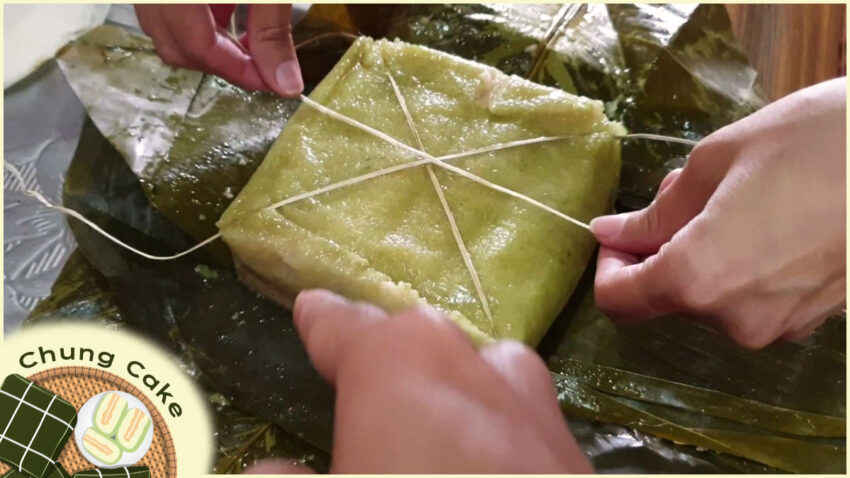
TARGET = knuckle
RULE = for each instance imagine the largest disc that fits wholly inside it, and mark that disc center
(411, 333)
(419, 322)
(711, 149)
(367, 309)
(604, 297)
(654, 219)
(697, 291)
(669, 285)
(518, 355)
(749, 331)
(699, 297)
(195, 54)
(169, 56)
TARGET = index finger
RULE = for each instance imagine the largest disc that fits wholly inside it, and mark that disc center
(628, 289)
(206, 48)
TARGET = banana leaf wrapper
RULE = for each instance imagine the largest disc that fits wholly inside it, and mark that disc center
(783, 375)
(666, 69)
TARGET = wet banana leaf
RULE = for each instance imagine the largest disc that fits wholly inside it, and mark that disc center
(680, 380)
(101, 185)
(807, 376)
(244, 440)
(783, 453)
(244, 347)
(688, 78)
(570, 46)
(708, 402)
(666, 69)
(79, 293)
(191, 141)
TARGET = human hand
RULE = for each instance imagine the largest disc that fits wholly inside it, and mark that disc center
(414, 396)
(187, 36)
(749, 235)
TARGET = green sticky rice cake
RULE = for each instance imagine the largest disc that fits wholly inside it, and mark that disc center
(35, 425)
(133, 429)
(387, 240)
(122, 472)
(101, 446)
(109, 412)
(55, 470)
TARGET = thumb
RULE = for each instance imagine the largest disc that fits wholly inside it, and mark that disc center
(682, 195)
(270, 43)
(328, 324)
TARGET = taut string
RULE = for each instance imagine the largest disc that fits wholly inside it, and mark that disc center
(40, 198)
(423, 159)
(438, 188)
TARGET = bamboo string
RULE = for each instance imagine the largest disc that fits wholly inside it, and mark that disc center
(348, 182)
(439, 162)
(318, 38)
(658, 137)
(438, 188)
(424, 159)
(40, 198)
(358, 179)
(462, 172)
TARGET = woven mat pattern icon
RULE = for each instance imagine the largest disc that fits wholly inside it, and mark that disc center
(77, 385)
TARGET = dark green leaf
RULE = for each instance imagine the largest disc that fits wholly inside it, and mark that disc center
(245, 348)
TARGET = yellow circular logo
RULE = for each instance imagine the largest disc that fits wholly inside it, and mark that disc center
(85, 400)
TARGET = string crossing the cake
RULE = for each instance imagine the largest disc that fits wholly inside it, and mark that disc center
(438, 188)
(423, 159)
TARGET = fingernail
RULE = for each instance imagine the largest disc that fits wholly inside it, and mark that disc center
(288, 77)
(606, 226)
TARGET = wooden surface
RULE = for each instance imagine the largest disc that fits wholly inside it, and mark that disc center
(792, 46)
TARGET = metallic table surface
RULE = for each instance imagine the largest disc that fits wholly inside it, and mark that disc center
(43, 119)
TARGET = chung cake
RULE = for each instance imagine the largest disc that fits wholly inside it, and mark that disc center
(388, 240)
(101, 446)
(109, 412)
(133, 430)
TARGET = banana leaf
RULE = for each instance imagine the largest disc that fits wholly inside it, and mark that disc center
(191, 141)
(688, 78)
(783, 406)
(178, 126)
(664, 69)
(79, 293)
(208, 326)
(241, 345)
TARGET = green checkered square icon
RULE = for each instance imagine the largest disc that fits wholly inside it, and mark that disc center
(56, 472)
(123, 472)
(34, 426)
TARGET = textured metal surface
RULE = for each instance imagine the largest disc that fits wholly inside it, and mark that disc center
(43, 119)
